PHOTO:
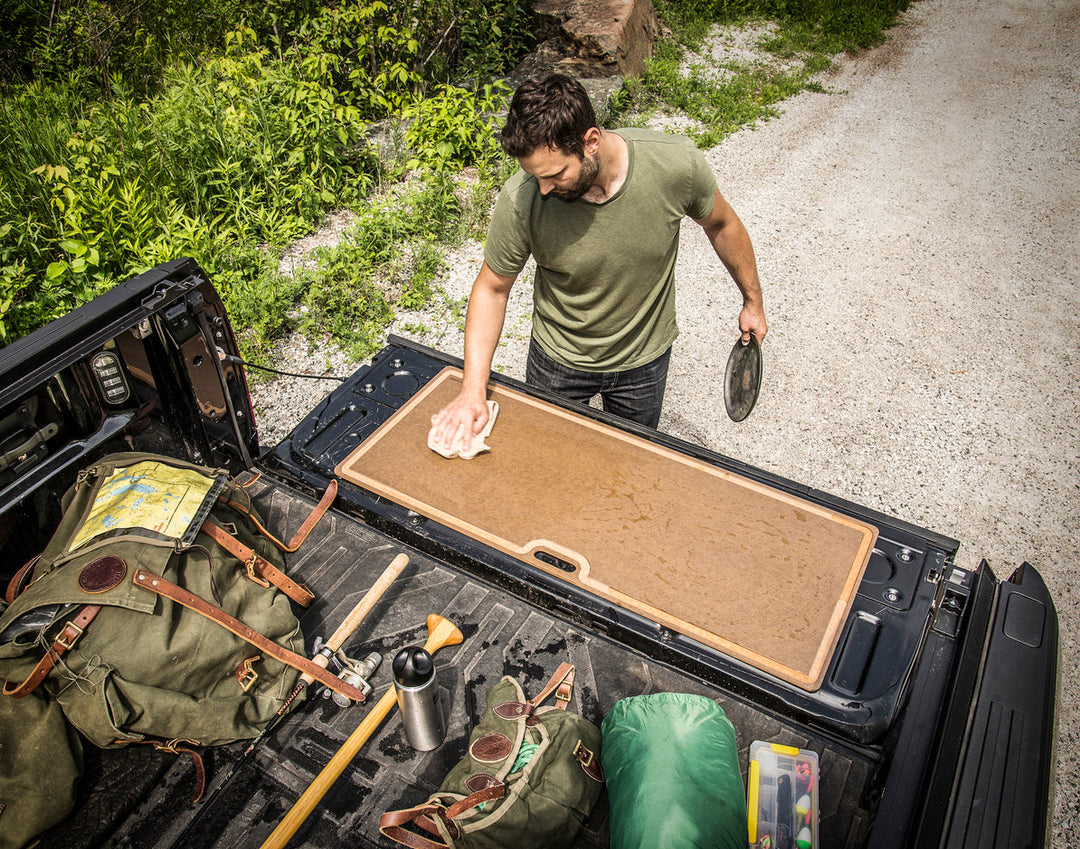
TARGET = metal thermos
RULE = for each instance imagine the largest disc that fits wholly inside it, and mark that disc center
(418, 699)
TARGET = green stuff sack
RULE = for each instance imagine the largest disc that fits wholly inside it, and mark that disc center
(672, 768)
(40, 764)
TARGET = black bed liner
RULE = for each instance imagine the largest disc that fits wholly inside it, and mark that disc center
(504, 635)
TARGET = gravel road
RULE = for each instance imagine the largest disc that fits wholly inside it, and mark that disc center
(917, 229)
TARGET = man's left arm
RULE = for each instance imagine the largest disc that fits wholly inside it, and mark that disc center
(732, 244)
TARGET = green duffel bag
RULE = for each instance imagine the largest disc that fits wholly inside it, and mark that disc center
(40, 764)
(673, 779)
(159, 611)
(529, 779)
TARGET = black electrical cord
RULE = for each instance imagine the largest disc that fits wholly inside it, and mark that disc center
(232, 358)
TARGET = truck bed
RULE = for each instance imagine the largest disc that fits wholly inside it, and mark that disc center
(504, 635)
(933, 722)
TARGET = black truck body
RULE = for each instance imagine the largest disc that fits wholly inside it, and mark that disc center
(934, 725)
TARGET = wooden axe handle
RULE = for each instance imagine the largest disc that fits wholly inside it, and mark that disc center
(441, 632)
(362, 609)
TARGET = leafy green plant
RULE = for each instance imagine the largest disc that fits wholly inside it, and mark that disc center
(363, 48)
(427, 265)
(230, 154)
(343, 300)
(494, 35)
(100, 41)
(390, 259)
(453, 128)
(237, 155)
(467, 40)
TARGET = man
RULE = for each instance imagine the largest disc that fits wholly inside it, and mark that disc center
(600, 211)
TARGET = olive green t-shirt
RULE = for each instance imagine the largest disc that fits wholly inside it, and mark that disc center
(604, 294)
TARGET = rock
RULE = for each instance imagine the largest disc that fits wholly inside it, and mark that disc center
(592, 39)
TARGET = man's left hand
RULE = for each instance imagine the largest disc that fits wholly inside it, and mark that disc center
(752, 322)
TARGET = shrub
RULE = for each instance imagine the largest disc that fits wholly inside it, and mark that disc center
(453, 128)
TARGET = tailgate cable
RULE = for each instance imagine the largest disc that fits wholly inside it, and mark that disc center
(232, 358)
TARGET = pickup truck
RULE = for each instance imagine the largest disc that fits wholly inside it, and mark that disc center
(932, 716)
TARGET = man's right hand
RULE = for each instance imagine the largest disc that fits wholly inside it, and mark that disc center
(464, 417)
(456, 424)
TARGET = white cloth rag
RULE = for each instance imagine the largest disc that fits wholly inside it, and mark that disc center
(478, 445)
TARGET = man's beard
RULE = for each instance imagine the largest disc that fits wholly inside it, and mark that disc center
(590, 167)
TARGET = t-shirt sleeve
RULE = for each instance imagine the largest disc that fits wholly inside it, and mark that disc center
(507, 247)
(702, 186)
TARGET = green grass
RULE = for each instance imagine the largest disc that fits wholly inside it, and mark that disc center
(798, 45)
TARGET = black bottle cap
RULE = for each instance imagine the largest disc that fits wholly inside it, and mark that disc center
(413, 667)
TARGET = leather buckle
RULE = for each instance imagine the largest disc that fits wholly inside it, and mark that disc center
(246, 676)
(249, 565)
(565, 692)
(173, 746)
(584, 756)
(65, 639)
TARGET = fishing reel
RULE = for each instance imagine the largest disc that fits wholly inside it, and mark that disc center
(350, 670)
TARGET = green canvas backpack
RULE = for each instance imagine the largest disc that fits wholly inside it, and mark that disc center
(529, 779)
(158, 613)
(40, 765)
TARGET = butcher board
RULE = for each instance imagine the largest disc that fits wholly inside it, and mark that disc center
(750, 570)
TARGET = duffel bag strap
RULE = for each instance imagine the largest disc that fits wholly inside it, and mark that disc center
(561, 683)
(67, 638)
(162, 586)
(305, 529)
(259, 569)
(391, 823)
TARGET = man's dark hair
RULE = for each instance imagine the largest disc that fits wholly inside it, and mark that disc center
(553, 111)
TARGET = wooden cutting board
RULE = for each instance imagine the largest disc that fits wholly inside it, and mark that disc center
(747, 569)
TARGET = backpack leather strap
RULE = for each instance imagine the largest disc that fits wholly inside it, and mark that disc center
(20, 580)
(390, 823)
(177, 747)
(391, 827)
(310, 522)
(67, 638)
(259, 569)
(561, 683)
(162, 586)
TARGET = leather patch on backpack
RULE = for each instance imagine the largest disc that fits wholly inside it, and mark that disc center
(491, 748)
(481, 781)
(102, 574)
(509, 710)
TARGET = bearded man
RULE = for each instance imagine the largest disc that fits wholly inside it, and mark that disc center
(600, 211)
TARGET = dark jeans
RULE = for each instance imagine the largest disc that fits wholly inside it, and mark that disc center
(636, 394)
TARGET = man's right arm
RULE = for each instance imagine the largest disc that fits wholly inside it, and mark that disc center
(467, 413)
